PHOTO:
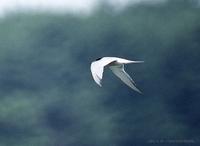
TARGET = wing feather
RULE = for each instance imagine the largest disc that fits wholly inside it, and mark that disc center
(97, 68)
(120, 73)
(97, 72)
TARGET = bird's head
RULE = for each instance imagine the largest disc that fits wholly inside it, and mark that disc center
(98, 59)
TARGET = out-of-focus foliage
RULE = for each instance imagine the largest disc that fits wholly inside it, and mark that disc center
(47, 94)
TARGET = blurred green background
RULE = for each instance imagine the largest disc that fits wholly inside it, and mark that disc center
(48, 96)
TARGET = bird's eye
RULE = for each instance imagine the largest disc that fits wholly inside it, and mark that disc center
(98, 59)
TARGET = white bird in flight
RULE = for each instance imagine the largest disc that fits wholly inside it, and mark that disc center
(117, 66)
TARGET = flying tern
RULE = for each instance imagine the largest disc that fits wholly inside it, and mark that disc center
(117, 67)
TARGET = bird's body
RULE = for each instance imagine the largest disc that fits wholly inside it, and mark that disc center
(117, 66)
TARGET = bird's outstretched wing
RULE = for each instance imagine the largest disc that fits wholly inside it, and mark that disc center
(97, 68)
(120, 72)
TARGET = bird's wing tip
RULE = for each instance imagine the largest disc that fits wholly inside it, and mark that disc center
(100, 84)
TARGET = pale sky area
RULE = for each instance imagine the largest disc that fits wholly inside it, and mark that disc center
(76, 6)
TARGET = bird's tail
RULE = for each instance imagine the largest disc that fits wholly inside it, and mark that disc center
(137, 62)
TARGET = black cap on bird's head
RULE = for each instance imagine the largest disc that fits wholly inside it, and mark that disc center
(98, 59)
